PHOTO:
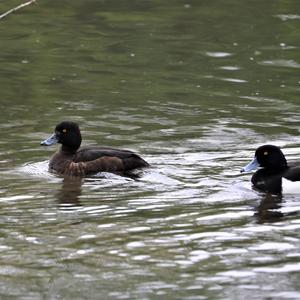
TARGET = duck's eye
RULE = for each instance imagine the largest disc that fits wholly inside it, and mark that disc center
(64, 130)
(266, 153)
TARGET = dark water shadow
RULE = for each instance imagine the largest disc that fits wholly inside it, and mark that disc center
(71, 188)
(269, 209)
(70, 191)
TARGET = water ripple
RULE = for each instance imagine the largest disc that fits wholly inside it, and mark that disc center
(281, 63)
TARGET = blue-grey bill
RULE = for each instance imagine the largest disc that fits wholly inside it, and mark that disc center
(251, 166)
(51, 140)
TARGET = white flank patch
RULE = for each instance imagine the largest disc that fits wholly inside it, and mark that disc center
(290, 187)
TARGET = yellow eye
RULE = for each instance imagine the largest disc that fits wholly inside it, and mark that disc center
(266, 153)
(64, 130)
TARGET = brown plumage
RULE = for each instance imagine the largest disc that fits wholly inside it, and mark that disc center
(89, 160)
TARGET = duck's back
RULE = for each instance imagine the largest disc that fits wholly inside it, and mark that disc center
(293, 172)
(129, 159)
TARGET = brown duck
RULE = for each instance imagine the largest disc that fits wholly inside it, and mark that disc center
(70, 160)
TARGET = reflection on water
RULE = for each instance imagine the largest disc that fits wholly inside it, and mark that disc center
(70, 191)
(268, 209)
(194, 88)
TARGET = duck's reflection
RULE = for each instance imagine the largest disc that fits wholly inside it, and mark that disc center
(268, 209)
(71, 188)
(70, 191)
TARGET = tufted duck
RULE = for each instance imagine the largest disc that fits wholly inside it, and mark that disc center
(274, 169)
(70, 160)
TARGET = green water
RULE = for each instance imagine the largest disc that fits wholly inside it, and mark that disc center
(194, 87)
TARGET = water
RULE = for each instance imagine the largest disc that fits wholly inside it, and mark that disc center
(192, 86)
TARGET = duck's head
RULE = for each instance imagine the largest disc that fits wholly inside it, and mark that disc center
(269, 157)
(66, 133)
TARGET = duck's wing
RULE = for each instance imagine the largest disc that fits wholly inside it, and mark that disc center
(102, 164)
(111, 157)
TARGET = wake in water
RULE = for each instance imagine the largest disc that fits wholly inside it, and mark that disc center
(37, 169)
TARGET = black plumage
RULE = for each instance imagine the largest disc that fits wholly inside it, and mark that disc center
(273, 168)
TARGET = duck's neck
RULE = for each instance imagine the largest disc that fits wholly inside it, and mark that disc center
(68, 150)
(277, 170)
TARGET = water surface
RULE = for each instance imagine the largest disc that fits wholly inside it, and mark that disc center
(192, 86)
